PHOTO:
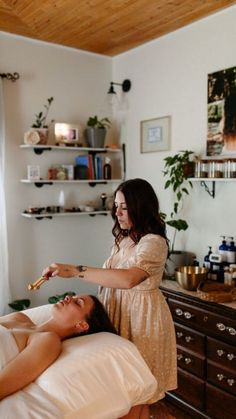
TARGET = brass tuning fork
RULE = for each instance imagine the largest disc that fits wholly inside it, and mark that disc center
(37, 284)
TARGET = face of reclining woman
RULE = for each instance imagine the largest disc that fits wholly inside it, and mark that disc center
(73, 309)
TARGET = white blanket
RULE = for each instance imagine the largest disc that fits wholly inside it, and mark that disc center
(27, 403)
(99, 376)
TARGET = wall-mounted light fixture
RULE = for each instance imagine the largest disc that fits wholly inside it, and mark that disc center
(116, 101)
(126, 86)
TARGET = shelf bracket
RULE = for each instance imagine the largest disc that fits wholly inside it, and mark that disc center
(94, 183)
(49, 217)
(40, 184)
(41, 150)
(210, 192)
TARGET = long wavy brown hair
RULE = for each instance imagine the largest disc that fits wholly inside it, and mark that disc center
(143, 211)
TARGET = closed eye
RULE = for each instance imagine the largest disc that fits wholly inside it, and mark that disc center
(80, 302)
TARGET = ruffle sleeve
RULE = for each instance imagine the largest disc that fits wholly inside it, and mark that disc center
(150, 254)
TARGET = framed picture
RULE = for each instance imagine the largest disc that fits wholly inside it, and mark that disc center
(155, 134)
(67, 133)
(221, 113)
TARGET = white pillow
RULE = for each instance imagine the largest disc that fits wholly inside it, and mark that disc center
(99, 376)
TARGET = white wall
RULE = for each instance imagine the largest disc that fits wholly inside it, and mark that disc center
(169, 77)
(78, 81)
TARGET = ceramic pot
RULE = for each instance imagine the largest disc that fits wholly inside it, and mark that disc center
(95, 137)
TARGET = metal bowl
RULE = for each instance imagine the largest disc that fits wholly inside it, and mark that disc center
(189, 277)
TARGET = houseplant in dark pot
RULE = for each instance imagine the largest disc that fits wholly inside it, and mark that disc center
(96, 130)
(178, 169)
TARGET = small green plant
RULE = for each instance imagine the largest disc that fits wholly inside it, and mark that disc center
(178, 169)
(19, 305)
(94, 122)
(41, 117)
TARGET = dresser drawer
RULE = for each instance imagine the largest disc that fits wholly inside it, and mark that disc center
(221, 353)
(187, 382)
(190, 339)
(219, 404)
(190, 362)
(203, 320)
(222, 377)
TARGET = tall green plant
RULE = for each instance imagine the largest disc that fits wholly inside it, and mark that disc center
(178, 168)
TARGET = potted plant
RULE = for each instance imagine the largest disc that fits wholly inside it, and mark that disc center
(39, 133)
(178, 169)
(96, 130)
(19, 305)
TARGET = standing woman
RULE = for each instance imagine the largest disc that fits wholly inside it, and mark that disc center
(129, 281)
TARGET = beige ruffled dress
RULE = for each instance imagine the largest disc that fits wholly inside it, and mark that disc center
(141, 314)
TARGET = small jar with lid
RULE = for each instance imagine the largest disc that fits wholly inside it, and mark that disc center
(230, 168)
(216, 169)
(197, 168)
(204, 164)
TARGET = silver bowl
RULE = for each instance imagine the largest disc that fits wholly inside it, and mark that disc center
(189, 277)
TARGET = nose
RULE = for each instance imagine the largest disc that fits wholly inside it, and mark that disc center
(118, 210)
(67, 298)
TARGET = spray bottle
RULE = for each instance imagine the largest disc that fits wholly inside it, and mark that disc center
(207, 262)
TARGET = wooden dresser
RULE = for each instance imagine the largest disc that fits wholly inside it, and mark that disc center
(206, 354)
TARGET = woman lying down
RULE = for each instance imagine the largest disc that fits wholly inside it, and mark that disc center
(73, 316)
(111, 378)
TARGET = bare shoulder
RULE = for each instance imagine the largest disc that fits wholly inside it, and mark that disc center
(18, 317)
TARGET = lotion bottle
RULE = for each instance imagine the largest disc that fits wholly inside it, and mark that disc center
(231, 252)
(223, 249)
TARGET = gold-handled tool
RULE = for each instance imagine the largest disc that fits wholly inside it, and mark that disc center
(37, 284)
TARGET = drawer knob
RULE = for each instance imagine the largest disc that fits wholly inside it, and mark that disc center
(179, 312)
(231, 331)
(188, 315)
(230, 357)
(220, 377)
(179, 335)
(230, 382)
(188, 339)
(220, 326)
(187, 361)
(220, 352)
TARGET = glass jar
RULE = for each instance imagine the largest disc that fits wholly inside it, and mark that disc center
(216, 168)
(230, 168)
(197, 168)
(204, 168)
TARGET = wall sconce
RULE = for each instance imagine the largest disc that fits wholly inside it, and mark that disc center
(126, 86)
(114, 100)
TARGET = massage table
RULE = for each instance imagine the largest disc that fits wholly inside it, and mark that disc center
(99, 376)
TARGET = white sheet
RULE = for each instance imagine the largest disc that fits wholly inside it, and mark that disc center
(98, 376)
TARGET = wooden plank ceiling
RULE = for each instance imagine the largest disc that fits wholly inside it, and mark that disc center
(106, 27)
